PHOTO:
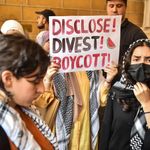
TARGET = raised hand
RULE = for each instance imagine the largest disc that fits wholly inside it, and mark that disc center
(111, 71)
(51, 71)
(142, 93)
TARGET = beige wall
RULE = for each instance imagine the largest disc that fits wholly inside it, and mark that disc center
(23, 10)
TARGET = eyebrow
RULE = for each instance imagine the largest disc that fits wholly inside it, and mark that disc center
(136, 56)
(147, 57)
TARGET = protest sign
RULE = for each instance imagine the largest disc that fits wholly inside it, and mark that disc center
(80, 43)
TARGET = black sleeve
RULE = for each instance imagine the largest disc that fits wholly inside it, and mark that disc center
(139, 34)
(4, 142)
(106, 126)
(146, 145)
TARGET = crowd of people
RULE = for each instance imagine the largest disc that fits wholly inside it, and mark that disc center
(43, 109)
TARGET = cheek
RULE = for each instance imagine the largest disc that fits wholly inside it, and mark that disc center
(121, 12)
(24, 94)
(46, 47)
(109, 10)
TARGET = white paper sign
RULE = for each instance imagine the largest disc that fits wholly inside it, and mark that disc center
(80, 43)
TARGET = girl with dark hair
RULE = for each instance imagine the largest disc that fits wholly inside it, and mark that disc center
(126, 123)
(23, 64)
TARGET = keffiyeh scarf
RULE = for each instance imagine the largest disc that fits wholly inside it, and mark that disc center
(64, 118)
(138, 131)
(41, 125)
(15, 128)
(125, 88)
(94, 105)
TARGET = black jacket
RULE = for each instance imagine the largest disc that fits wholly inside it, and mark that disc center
(4, 142)
(117, 125)
(129, 33)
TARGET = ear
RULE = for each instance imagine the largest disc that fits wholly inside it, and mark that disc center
(7, 78)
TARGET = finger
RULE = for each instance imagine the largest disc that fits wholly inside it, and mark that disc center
(54, 65)
(49, 72)
(114, 64)
(139, 88)
(114, 67)
(54, 62)
(141, 85)
(144, 85)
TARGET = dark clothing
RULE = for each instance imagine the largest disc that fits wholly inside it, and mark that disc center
(146, 141)
(4, 142)
(117, 124)
(129, 33)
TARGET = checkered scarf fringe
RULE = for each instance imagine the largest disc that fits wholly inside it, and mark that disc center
(138, 131)
(64, 118)
(94, 105)
(15, 128)
(42, 126)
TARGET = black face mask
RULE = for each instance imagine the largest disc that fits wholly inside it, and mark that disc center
(140, 73)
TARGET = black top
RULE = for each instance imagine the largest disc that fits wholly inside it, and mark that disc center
(129, 33)
(4, 142)
(116, 127)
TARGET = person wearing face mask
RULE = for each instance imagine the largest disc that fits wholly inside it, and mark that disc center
(126, 122)
(129, 33)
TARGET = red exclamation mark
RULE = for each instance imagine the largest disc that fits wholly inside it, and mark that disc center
(108, 58)
(114, 25)
(101, 42)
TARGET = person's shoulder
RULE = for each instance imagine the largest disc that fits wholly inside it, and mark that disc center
(133, 29)
(130, 24)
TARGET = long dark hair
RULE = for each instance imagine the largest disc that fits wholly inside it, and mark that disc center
(21, 56)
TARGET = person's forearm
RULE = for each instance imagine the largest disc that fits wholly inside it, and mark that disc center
(104, 89)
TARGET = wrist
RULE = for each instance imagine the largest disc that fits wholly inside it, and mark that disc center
(146, 106)
(47, 80)
(147, 112)
(107, 81)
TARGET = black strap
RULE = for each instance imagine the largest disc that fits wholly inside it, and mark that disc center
(4, 141)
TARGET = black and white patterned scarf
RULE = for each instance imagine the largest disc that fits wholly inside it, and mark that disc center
(15, 128)
(41, 125)
(94, 78)
(138, 131)
(64, 118)
(125, 85)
